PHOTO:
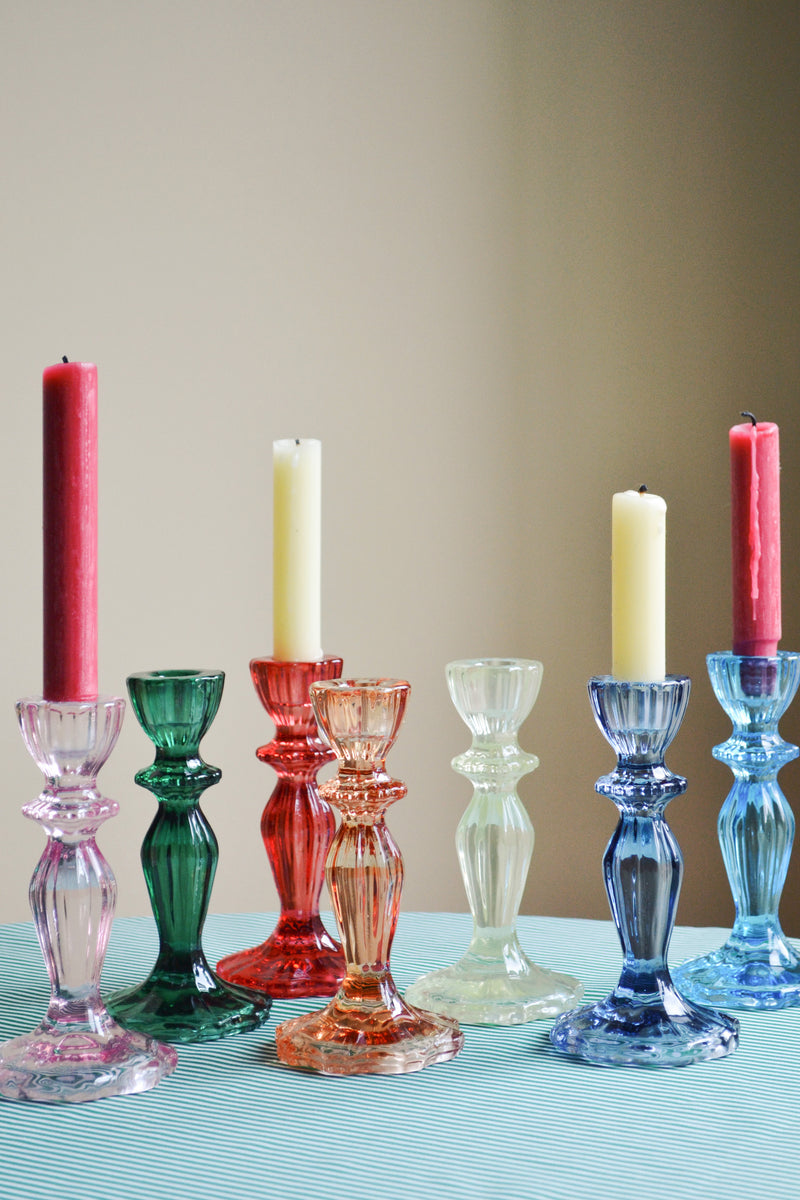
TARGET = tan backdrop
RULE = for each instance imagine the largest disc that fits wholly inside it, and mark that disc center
(503, 259)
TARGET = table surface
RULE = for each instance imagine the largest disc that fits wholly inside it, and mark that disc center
(508, 1119)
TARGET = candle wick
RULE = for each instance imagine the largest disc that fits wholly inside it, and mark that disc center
(297, 441)
(64, 358)
(750, 415)
(643, 488)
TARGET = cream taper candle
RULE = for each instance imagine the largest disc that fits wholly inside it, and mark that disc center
(638, 586)
(297, 550)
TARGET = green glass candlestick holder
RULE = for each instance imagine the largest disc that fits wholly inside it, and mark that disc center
(182, 1000)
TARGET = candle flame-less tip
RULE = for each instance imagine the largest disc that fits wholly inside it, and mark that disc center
(643, 488)
(64, 358)
(749, 416)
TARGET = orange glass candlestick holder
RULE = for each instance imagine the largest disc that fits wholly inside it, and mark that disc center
(367, 1028)
(300, 958)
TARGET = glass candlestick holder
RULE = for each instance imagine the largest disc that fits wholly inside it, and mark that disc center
(367, 1027)
(757, 967)
(182, 1000)
(645, 1021)
(299, 958)
(78, 1052)
(495, 982)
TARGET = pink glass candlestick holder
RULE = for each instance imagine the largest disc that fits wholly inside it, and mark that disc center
(367, 1028)
(78, 1052)
(299, 958)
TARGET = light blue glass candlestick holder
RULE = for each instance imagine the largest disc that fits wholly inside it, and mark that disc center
(645, 1021)
(756, 968)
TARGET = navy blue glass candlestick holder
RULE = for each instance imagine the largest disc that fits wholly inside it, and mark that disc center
(645, 1021)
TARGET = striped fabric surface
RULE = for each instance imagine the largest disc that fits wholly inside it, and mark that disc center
(506, 1120)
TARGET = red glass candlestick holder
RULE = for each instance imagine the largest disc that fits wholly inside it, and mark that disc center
(367, 1028)
(300, 958)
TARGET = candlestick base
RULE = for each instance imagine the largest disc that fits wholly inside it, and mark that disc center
(78, 1052)
(764, 973)
(659, 1029)
(494, 982)
(366, 1028)
(299, 958)
(645, 1022)
(72, 1062)
(375, 1034)
(756, 968)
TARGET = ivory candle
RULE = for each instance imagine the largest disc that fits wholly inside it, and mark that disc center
(638, 586)
(756, 538)
(297, 550)
(69, 425)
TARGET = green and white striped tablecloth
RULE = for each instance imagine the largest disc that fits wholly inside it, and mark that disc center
(506, 1120)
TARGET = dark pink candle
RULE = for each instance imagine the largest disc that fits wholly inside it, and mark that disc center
(756, 538)
(70, 531)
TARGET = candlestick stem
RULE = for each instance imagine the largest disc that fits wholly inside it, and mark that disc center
(757, 967)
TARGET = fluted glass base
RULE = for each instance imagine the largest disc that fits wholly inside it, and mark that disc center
(189, 1009)
(765, 974)
(62, 1063)
(499, 986)
(384, 1040)
(662, 1030)
(298, 959)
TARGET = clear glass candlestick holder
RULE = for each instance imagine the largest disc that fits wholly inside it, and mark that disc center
(367, 1028)
(757, 967)
(182, 1000)
(495, 982)
(78, 1052)
(645, 1021)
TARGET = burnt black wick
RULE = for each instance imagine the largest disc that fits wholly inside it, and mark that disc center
(643, 488)
(64, 358)
(750, 416)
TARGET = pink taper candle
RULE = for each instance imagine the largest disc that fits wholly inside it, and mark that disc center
(756, 537)
(70, 531)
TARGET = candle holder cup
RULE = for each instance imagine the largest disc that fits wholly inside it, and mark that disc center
(495, 982)
(182, 1000)
(645, 1021)
(367, 1027)
(756, 968)
(78, 1052)
(299, 958)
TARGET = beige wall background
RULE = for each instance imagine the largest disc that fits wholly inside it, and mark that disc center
(504, 259)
